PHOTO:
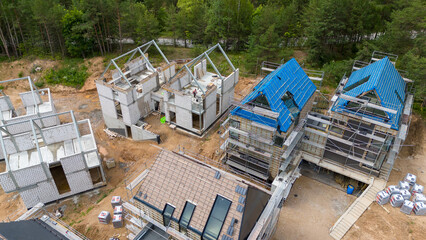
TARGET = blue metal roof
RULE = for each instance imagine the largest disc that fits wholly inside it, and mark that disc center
(288, 77)
(386, 82)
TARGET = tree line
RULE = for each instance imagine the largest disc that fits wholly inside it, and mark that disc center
(334, 31)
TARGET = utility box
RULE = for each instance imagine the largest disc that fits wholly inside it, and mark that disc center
(117, 221)
(115, 201)
(104, 217)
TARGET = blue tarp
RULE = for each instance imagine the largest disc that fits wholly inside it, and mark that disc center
(386, 82)
(288, 77)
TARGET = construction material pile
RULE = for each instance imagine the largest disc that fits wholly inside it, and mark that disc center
(117, 219)
(399, 196)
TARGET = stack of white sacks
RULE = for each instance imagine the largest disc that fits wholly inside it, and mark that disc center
(399, 196)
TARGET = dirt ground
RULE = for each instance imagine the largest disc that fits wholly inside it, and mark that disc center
(310, 210)
(133, 157)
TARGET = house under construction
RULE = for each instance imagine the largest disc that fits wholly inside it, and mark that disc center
(185, 198)
(361, 132)
(260, 128)
(46, 156)
(191, 99)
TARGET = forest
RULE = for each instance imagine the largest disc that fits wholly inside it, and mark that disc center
(333, 33)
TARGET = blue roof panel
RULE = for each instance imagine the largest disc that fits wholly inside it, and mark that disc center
(385, 80)
(288, 77)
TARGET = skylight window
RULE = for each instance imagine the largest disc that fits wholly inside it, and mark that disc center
(167, 214)
(291, 105)
(216, 219)
(354, 85)
(186, 216)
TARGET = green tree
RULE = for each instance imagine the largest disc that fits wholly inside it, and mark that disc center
(76, 33)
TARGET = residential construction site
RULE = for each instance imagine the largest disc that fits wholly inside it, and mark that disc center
(154, 148)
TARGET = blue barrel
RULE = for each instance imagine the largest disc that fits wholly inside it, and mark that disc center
(350, 189)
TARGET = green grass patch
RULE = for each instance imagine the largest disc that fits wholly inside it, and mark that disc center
(72, 73)
(104, 195)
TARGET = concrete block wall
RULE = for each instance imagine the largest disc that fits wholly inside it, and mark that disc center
(48, 121)
(29, 176)
(200, 67)
(142, 134)
(226, 99)
(229, 82)
(79, 182)
(150, 84)
(6, 182)
(183, 101)
(46, 191)
(210, 111)
(183, 117)
(5, 103)
(23, 141)
(145, 105)
(104, 91)
(60, 133)
(28, 100)
(108, 107)
(125, 98)
(112, 122)
(130, 113)
(73, 163)
(30, 196)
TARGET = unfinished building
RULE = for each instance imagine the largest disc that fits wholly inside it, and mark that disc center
(191, 99)
(35, 103)
(366, 124)
(195, 98)
(259, 129)
(130, 92)
(184, 197)
(46, 156)
(361, 132)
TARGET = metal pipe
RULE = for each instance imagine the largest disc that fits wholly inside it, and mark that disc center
(119, 70)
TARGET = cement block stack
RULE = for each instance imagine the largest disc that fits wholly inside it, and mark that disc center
(403, 185)
(104, 217)
(115, 201)
(118, 210)
(417, 189)
(419, 208)
(382, 197)
(419, 197)
(400, 196)
(406, 194)
(397, 200)
(392, 189)
(117, 221)
(407, 207)
(410, 178)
